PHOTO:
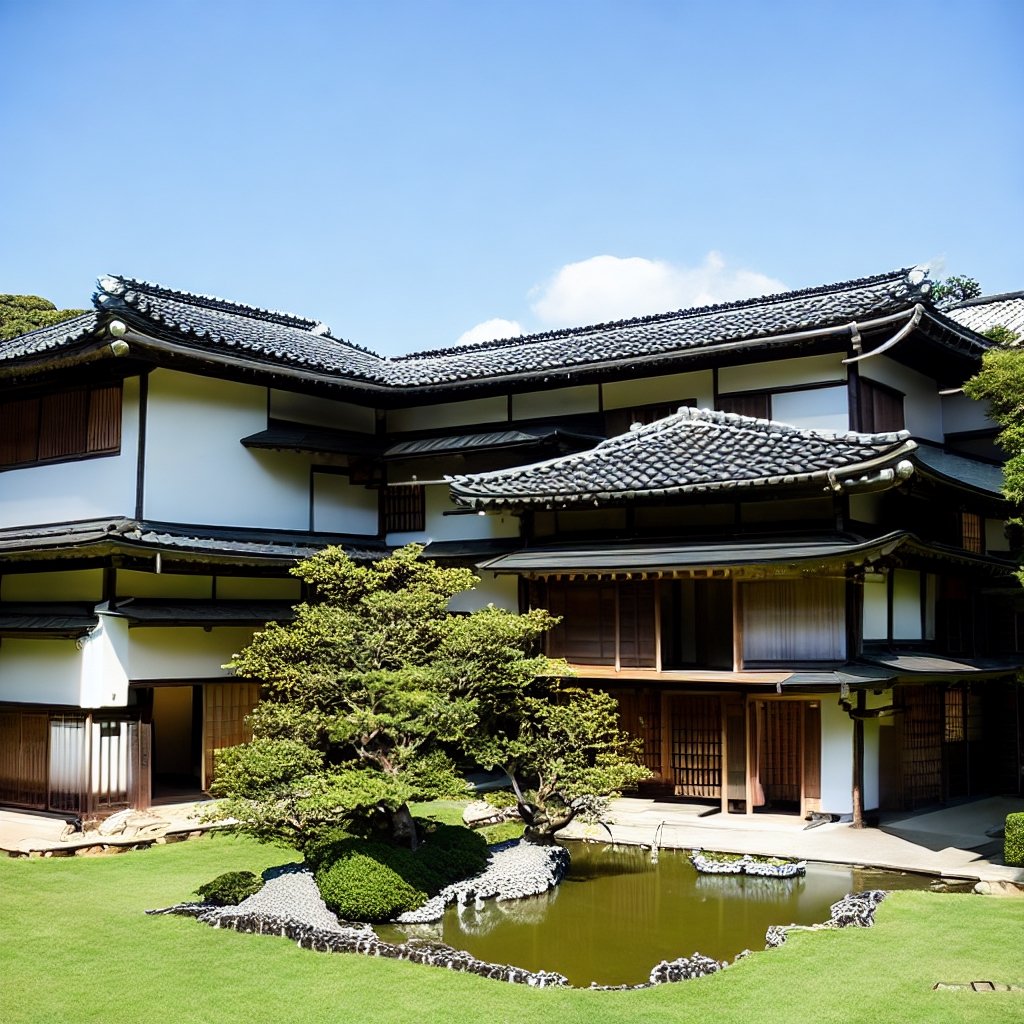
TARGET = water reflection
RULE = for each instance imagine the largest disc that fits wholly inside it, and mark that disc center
(616, 915)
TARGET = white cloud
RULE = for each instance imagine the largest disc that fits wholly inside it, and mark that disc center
(489, 330)
(605, 288)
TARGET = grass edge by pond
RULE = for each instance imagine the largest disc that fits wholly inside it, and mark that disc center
(76, 946)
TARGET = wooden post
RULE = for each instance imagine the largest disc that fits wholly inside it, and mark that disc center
(858, 762)
(666, 740)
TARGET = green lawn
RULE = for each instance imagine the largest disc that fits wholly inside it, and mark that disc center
(76, 947)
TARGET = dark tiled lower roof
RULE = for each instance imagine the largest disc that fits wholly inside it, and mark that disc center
(47, 339)
(46, 619)
(245, 546)
(693, 451)
(155, 612)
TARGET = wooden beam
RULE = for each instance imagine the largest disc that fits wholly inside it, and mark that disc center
(858, 762)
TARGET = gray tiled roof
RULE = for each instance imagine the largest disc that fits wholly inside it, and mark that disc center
(213, 324)
(694, 450)
(1006, 310)
(667, 333)
(214, 329)
(121, 535)
(46, 339)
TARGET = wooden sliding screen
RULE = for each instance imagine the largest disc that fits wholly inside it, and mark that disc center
(696, 746)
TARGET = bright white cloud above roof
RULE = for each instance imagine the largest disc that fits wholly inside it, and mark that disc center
(605, 288)
(489, 330)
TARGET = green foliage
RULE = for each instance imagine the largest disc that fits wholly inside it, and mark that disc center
(567, 742)
(955, 288)
(1001, 335)
(1000, 382)
(1013, 842)
(366, 884)
(494, 834)
(500, 798)
(378, 683)
(230, 888)
(365, 880)
(20, 314)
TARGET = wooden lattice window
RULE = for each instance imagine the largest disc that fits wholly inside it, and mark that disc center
(404, 508)
(69, 424)
(971, 532)
(750, 403)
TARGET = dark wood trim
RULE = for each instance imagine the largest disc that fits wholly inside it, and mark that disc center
(853, 395)
(140, 468)
(858, 762)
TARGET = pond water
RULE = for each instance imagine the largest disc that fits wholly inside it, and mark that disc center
(616, 914)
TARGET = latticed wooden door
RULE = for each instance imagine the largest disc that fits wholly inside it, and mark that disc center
(696, 746)
(921, 725)
(225, 707)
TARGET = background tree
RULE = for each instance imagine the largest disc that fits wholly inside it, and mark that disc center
(20, 314)
(1000, 382)
(368, 694)
(953, 289)
(564, 754)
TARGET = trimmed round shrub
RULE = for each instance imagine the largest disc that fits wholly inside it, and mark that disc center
(230, 889)
(365, 880)
(451, 853)
(1013, 841)
(360, 885)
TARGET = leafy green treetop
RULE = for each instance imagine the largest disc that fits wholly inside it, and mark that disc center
(1001, 382)
(953, 289)
(367, 694)
(20, 314)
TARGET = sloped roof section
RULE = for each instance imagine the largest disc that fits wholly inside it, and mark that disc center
(47, 339)
(692, 451)
(206, 323)
(988, 311)
(687, 330)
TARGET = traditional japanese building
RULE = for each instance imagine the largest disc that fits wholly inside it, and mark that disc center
(773, 528)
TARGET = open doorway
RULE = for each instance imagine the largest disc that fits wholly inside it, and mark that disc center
(175, 715)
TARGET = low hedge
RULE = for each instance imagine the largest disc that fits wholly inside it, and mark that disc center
(1013, 841)
(367, 880)
(230, 888)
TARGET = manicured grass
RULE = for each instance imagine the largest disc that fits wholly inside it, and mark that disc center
(75, 947)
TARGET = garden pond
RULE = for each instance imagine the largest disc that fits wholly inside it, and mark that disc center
(618, 913)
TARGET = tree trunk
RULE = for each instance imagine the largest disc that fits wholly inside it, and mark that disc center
(403, 828)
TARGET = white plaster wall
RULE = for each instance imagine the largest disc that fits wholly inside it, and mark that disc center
(817, 409)
(132, 583)
(782, 373)
(257, 588)
(836, 758)
(458, 527)
(560, 402)
(340, 506)
(960, 413)
(995, 536)
(40, 672)
(92, 488)
(184, 652)
(69, 585)
(922, 406)
(876, 608)
(321, 412)
(105, 664)
(675, 387)
(866, 508)
(906, 612)
(501, 591)
(198, 472)
(452, 414)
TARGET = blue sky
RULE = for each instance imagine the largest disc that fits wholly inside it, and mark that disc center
(409, 171)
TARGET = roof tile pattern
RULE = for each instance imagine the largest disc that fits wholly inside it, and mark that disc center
(989, 311)
(694, 450)
(205, 322)
(283, 339)
(47, 339)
